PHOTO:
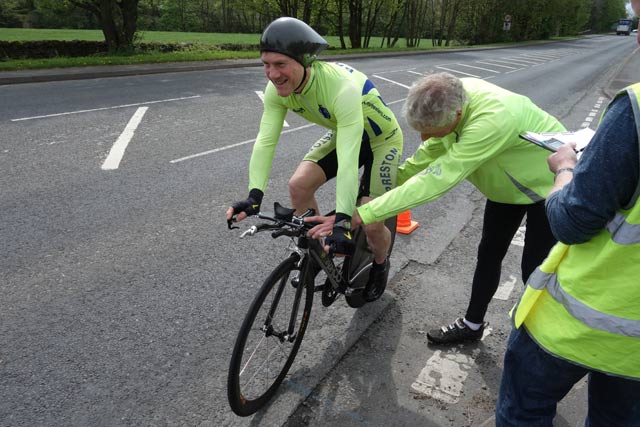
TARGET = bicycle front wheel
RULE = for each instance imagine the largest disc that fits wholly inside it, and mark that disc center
(270, 337)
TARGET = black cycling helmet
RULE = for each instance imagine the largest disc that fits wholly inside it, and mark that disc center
(294, 38)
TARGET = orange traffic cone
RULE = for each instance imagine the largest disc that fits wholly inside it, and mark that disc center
(404, 224)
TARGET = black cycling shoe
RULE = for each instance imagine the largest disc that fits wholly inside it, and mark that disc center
(377, 282)
(455, 333)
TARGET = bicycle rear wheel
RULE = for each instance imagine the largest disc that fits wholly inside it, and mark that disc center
(269, 337)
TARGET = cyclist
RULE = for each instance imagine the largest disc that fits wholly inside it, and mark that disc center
(362, 131)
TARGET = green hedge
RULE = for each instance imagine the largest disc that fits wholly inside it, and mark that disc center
(59, 48)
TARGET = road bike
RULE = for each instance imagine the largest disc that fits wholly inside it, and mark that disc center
(273, 328)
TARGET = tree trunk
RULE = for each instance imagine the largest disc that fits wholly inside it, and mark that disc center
(452, 21)
(118, 20)
(355, 23)
(306, 11)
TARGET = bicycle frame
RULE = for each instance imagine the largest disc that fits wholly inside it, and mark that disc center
(306, 249)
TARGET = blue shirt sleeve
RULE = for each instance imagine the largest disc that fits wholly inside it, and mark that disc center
(604, 181)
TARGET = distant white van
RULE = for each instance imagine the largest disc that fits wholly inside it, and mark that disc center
(624, 27)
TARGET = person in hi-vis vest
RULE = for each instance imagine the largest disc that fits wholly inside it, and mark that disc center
(580, 312)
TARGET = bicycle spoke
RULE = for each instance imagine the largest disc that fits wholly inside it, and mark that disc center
(259, 368)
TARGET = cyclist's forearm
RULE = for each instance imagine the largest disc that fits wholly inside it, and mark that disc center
(260, 166)
(347, 150)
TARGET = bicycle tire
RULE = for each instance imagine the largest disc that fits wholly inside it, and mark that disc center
(358, 266)
(248, 391)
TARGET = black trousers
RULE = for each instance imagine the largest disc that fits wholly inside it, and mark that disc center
(501, 221)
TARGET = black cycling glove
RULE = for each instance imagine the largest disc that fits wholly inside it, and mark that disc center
(250, 206)
(340, 241)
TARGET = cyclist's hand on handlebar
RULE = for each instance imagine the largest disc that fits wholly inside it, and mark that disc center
(340, 241)
(244, 208)
(323, 228)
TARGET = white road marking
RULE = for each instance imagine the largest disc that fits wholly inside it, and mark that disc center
(117, 151)
(518, 238)
(541, 56)
(526, 61)
(261, 96)
(504, 290)
(443, 376)
(391, 81)
(495, 65)
(238, 144)
(514, 71)
(506, 62)
(534, 58)
(596, 109)
(105, 108)
(396, 101)
(456, 71)
(480, 68)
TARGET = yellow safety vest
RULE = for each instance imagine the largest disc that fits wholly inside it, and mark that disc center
(583, 303)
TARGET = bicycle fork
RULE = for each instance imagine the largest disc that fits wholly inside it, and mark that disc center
(288, 335)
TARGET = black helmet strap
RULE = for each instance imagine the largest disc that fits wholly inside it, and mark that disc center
(304, 77)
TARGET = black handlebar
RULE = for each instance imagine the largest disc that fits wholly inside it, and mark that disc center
(283, 222)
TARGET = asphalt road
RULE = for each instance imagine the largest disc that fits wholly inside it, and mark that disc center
(122, 290)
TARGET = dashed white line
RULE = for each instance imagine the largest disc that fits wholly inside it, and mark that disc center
(117, 151)
(105, 108)
(593, 113)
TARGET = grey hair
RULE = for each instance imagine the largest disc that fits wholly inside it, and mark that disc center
(434, 101)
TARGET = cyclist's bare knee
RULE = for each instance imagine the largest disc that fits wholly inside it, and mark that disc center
(303, 184)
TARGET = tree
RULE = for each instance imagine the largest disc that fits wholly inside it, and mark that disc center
(117, 18)
(9, 15)
(355, 23)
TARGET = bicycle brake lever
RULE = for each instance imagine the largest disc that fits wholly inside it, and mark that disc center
(250, 232)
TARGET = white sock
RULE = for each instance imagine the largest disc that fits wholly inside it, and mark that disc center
(471, 325)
